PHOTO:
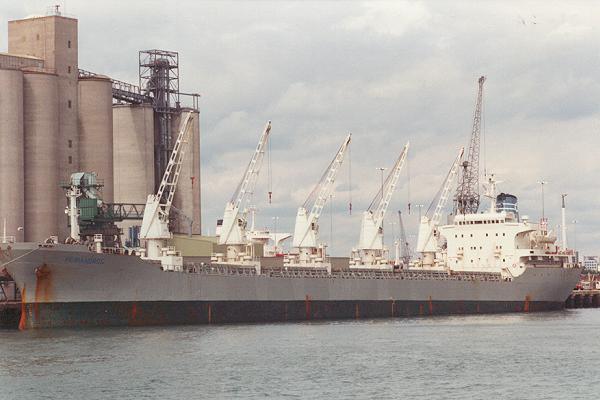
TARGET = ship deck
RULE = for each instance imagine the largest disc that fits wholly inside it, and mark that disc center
(236, 270)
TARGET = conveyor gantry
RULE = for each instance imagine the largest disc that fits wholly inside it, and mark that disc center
(123, 91)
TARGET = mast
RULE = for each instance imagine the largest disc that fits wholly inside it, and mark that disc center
(467, 193)
(563, 222)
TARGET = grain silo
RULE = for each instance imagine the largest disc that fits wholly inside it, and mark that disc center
(54, 39)
(187, 197)
(133, 153)
(11, 152)
(41, 179)
(96, 130)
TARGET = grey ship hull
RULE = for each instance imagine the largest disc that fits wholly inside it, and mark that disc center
(68, 286)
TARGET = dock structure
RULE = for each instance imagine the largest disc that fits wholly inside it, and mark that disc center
(10, 304)
(586, 298)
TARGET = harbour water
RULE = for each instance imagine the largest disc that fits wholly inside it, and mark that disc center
(551, 355)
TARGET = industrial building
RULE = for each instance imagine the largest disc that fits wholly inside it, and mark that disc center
(57, 119)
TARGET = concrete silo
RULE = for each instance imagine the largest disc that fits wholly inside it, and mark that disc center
(187, 196)
(12, 190)
(54, 39)
(41, 179)
(133, 153)
(96, 130)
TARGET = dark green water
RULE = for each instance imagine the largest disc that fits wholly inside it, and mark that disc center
(517, 356)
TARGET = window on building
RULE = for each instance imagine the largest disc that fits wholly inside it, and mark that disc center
(70, 160)
(69, 69)
(69, 103)
(70, 143)
(69, 44)
(37, 36)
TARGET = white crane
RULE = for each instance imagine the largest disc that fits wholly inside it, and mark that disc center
(155, 223)
(306, 229)
(370, 250)
(428, 225)
(233, 230)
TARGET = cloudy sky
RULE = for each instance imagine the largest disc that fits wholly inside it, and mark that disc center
(387, 73)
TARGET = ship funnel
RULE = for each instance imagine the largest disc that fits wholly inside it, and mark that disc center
(509, 204)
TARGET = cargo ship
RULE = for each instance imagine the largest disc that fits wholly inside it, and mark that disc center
(70, 286)
(490, 262)
(477, 262)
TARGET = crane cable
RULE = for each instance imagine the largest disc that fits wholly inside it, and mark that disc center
(408, 182)
(269, 172)
(350, 180)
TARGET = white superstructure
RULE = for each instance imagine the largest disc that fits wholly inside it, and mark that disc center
(496, 240)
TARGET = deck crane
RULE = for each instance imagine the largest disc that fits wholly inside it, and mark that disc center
(370, 251)
(467, 192)
(404, 245)
(306, 229)
(426, 245)
(155, 223)
(233, 230)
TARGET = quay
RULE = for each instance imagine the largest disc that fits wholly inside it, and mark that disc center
(583, 298)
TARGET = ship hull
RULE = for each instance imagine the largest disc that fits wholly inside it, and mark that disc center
(148, 313)
(67, 286)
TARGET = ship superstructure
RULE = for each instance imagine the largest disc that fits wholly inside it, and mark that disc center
(497, 240)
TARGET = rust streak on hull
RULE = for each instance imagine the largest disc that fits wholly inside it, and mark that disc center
(23, 319)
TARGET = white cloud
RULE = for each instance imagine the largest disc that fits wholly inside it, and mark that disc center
(388, 18)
